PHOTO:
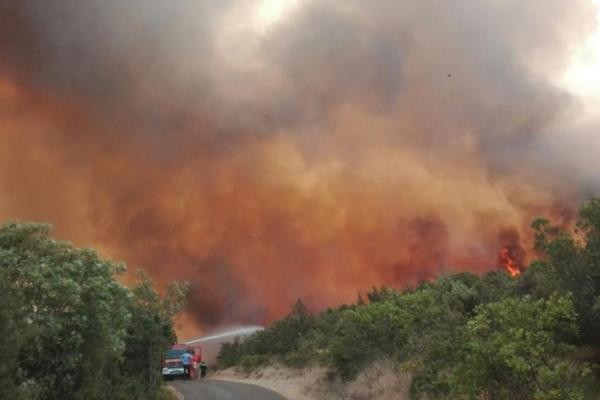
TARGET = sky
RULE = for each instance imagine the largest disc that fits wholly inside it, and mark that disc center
(267, 151)
(582, 76)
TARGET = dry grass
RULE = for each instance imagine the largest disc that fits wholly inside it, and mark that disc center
(381, 381)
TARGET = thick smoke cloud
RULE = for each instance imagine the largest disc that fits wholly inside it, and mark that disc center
(345, 145)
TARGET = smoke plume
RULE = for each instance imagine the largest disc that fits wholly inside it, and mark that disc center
(342, 145)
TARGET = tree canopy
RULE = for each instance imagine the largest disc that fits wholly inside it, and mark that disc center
(69, 329)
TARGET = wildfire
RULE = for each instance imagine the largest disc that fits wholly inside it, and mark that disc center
(512, 267)
(263, 167)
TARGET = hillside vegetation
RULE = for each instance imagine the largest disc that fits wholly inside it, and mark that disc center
(69, 330)
(463, 336)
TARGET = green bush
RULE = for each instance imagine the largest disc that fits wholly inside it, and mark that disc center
(517, 348)
(253, 361)
(365, 334)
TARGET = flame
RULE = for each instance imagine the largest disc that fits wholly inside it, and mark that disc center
(512, 267)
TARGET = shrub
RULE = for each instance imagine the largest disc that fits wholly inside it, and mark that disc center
(516, 348)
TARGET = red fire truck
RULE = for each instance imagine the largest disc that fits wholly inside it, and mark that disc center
(171, 362)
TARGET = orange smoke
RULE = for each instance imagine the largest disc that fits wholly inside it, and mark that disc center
(314, 159)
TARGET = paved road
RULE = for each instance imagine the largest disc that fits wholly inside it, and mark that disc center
(220, 390)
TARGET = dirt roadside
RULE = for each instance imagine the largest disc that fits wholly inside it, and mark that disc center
(380, 382)
(175, 394)
(290, 384)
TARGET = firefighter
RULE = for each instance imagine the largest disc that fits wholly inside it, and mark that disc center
(186, 361)
(203, 369)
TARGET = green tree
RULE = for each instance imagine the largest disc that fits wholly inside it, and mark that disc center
(72, 304)
(288, 340)
(382, 294)
(365, 334)
(518, 349)
(571, 265)
(15, 332)
(150, 331)
(284, 335)
(66, 324)
(230, 353)
(439, 310)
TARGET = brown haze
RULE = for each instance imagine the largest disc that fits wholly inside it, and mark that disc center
(352, 143)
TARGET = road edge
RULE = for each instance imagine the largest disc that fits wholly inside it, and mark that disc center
(254, 382)
(175, 392)
(289, 390)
